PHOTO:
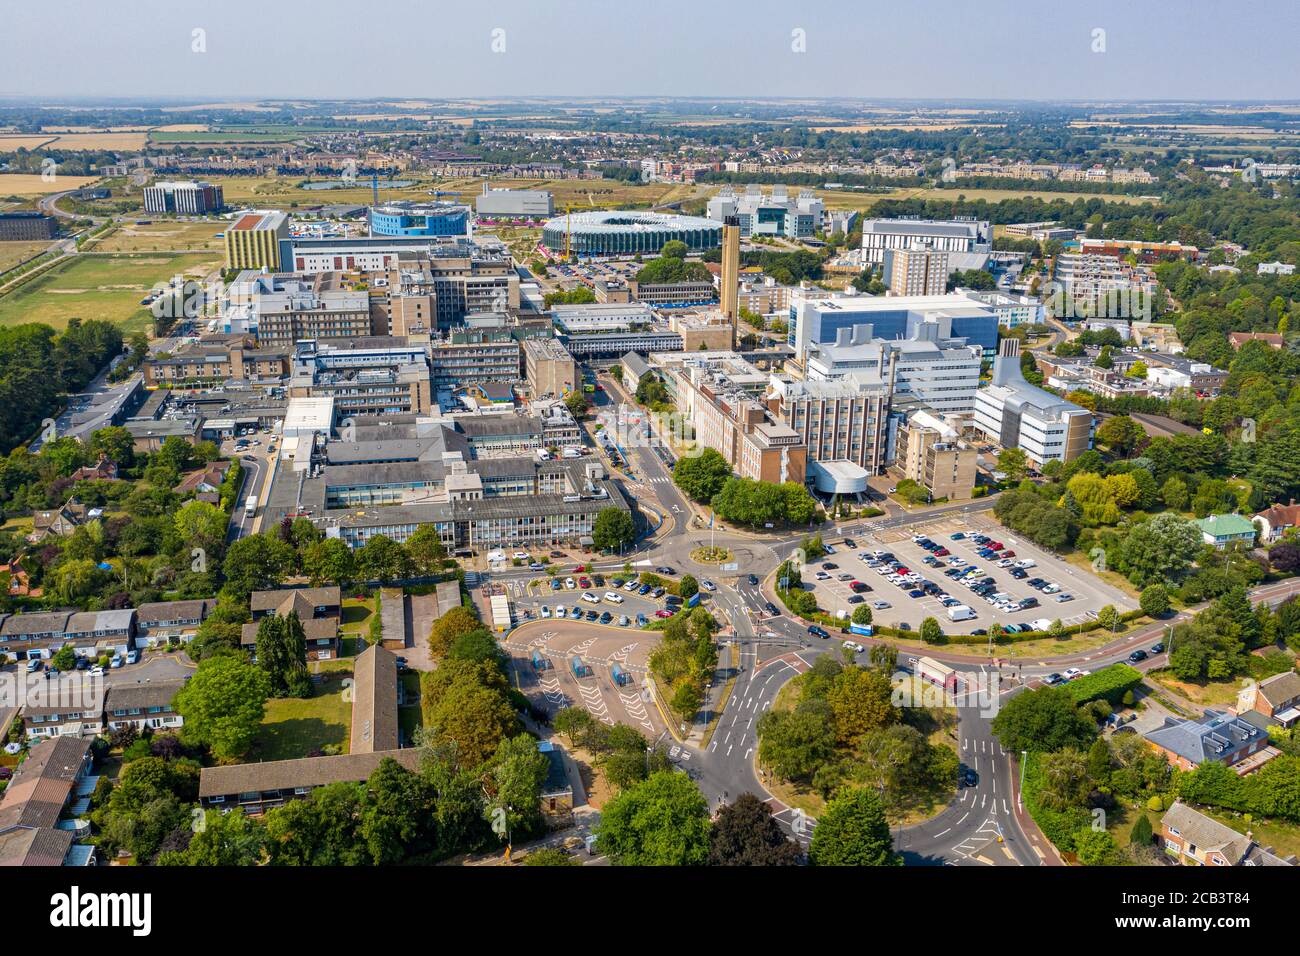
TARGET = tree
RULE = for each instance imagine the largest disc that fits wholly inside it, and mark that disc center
(225, 839)
(793, 744)
(613, 529)
(575, 723)
(862, 615)
(65, 658)
(550, 856)
(515, 785)
(701, 476)
(331, 561)
(1120, 434)
(746, 834)
(1043, 720)
(1013, 463)
(425, 549)
(1174, 493)
(257, 562)
(1095, 847)
(688, 587)
(382, 559)
(860, 699)
(445, 630)
(577, 404)
(853, 831)
(476, 717)
(397, 810)
(223, 704)
(1154, 600)
(931, 632)
(282, 654)
(1160, 549)
(661, 821)
(1141, 833)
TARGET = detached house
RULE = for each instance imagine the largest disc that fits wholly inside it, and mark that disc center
(1275, 521)
(59, 522)
(1217, 737)
(319, 610)
(1223, 530)
(1197, 840)
(1276, 700)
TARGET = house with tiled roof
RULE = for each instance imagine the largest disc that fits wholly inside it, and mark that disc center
(144, 706)
(77, 710)
(40, 635)
(1276, 520)
(319, 610)
(160, 621)
(374, 701)
(1272, 339)
(54, 779)
(1217, 737)
(58, 522)
(1193, 838)
(1276, 699)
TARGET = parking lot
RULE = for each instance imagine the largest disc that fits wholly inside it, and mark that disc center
(542, 598)
(573, 664)
(931, 578)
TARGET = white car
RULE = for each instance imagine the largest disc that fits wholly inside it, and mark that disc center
(1004, 563)
(854, 646)
(823, 576)
(881, 605)
(956, 562)
(546, 611)
(631, 585)
(1051, 589)
(560, 611)
(96, 671)
(1071, 673)
(590, 598)
(570, 583)
(521, 555)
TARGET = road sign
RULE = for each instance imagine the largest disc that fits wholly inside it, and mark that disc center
(733, 566)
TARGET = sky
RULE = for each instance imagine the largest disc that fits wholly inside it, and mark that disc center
(901, 49)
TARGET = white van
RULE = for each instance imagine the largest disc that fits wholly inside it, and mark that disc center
(543, 455)
(572, 452)
(960, 613)
(1026, 563)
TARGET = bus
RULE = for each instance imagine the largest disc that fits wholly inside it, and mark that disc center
(250, 506)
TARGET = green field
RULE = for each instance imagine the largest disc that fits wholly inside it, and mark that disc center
(163, 235)
(12, 253)
(99, 287)
(294, 728)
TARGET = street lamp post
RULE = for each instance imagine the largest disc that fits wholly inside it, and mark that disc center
(1024, 757)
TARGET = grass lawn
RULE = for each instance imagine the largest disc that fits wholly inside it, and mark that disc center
(1282, 835)
(1204, 693)
(163, 236)
(29, 185)
(294, 728)
(13, 253)
(356, 615)
(99, 287)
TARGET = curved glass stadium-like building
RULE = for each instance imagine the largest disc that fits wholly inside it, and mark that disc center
(612, 233)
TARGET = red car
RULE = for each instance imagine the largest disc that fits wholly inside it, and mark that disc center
(663, 613)
(942, 553)
(579, 569)
(584, 582)
(1007, 554)
(901, 570)
(996, 545)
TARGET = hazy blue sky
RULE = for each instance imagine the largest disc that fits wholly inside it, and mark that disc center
(1154, 49)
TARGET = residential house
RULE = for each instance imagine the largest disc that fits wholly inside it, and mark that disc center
(75, 709)
(24, 636)
(56, 776)
(145, 706)
(1217, 736)
(1192, 838)
(1276, 699)
(102, 470)
(1275, 521)
(204, 484)
(374, 701)
(160, 622)
(319, 610)
(1223, 530)
(103, 632)
(59, 522)
(1238, 339)
(257, 787)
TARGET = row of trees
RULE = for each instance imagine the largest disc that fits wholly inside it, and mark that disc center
(707, 478)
